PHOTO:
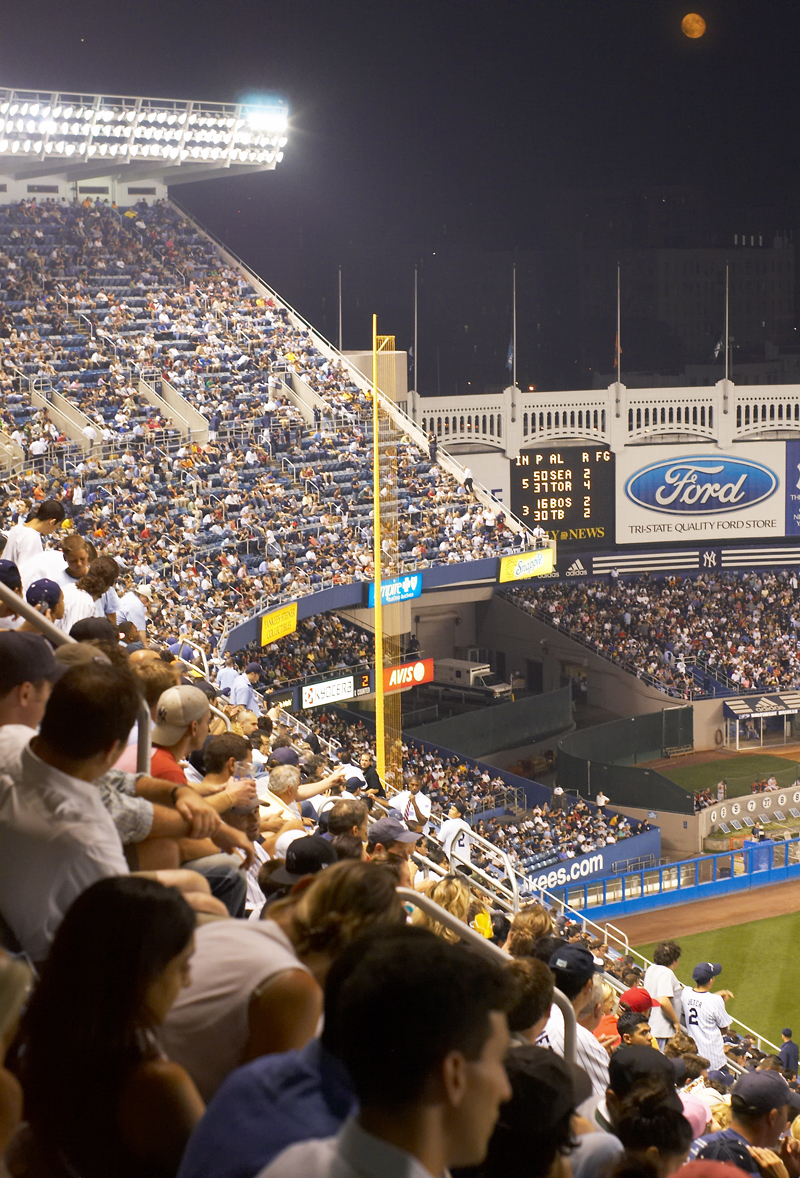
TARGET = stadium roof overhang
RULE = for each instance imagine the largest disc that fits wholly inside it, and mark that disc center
(82, 136)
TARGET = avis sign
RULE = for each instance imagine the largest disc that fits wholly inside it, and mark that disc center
(701, 496)
(407, 675)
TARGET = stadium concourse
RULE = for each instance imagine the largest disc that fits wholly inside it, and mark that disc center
(172, 937)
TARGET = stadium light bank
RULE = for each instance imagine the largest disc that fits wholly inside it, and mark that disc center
(80, 136)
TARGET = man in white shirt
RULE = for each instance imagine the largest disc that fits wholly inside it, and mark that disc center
(413, 806)
(133, 608)
(434, 1106)
(56, 836)
(575, 971)
(665, 989)
(455, 835)
(705, 1013)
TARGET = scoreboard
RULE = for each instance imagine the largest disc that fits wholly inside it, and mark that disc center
(568, 491)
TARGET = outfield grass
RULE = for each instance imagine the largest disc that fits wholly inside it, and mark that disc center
(758, 965)
(739, 772)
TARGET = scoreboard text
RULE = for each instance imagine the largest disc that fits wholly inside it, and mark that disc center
(568, 491)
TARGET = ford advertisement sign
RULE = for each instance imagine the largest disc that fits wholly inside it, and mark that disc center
(699, 485)
(691, 495)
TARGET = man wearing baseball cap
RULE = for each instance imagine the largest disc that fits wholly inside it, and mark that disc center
(762, 1107)
(304, 856)
(133, 608)
(575, 972)
(10, 577)
(243, 689)
(705, 1013)
(389, 835)
(28, 670)
(47, 598)
(181, 727)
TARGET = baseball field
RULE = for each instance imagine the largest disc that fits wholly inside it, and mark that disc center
(758, 965)
(740, 771)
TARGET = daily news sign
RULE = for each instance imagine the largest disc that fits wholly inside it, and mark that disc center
(407, 675)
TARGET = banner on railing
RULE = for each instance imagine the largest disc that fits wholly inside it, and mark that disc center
(278, 623)
(526, 564)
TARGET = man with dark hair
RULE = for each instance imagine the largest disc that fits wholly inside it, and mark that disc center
(28, 670)
(56, 836)
(634, 1029)
(789, 1053)
(762, 1107)
(348, 816)
(662, 984)
(531, 1010)
(437, 1103)
(389, 834)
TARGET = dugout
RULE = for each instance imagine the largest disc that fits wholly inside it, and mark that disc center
(756, 717)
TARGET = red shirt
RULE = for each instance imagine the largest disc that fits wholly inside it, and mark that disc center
(164, 765)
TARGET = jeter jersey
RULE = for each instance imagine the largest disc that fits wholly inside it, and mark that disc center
(706, 1018)
(456, 839)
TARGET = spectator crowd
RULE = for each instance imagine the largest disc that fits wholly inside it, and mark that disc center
(690, 636)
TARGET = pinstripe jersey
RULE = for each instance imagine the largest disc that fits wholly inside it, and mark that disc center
(706, 1018)
(589, 1054)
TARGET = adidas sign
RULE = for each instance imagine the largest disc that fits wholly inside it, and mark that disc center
(576, 569)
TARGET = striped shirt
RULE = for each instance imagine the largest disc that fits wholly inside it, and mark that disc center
(706, 1019)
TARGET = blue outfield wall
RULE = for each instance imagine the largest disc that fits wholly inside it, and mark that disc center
(596, 864)
(756, 865)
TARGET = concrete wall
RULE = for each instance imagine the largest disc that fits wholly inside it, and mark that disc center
(68, 190)
(680, 833)
(502, 626)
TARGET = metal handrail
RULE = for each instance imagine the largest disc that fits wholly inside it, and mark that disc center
(488, 949)
(59, 638)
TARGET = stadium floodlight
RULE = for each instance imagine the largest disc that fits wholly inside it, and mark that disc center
(174, 135)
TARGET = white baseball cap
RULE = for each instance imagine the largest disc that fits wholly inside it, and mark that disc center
(178, 707)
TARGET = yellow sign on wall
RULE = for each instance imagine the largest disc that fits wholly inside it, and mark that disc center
(279, 623)
(526, 564)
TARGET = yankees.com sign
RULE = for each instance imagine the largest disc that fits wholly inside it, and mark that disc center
(407, 675)
(702, 494)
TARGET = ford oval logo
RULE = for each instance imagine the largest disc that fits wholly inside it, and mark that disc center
(701, 485)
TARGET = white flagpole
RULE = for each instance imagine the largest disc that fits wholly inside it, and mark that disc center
(619, 341)
(416, 324)
(514, 343)
(727, 316)
(340, 308)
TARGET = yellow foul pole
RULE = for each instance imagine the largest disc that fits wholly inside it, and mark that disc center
(380, 730)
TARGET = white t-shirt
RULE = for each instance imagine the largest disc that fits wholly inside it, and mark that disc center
(706, 1019)
(78, 604)
(405, 807)
(24, 546)
(660, 982)
(455, 836)
(206, 1030)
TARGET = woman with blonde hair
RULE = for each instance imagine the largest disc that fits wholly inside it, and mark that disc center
(529, 925)
(452, 893)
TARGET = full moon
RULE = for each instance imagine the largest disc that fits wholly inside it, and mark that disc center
(693, 25)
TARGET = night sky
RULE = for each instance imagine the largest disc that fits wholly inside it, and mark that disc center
(458, 136)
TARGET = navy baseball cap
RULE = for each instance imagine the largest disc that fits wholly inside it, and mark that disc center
(285, 756)
(251, 667)
(45, 591)
(305, 856)
(705, 971)
(9, 575)
(389, 830)
(26, 658)
(761, 1092)
(575, 961)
